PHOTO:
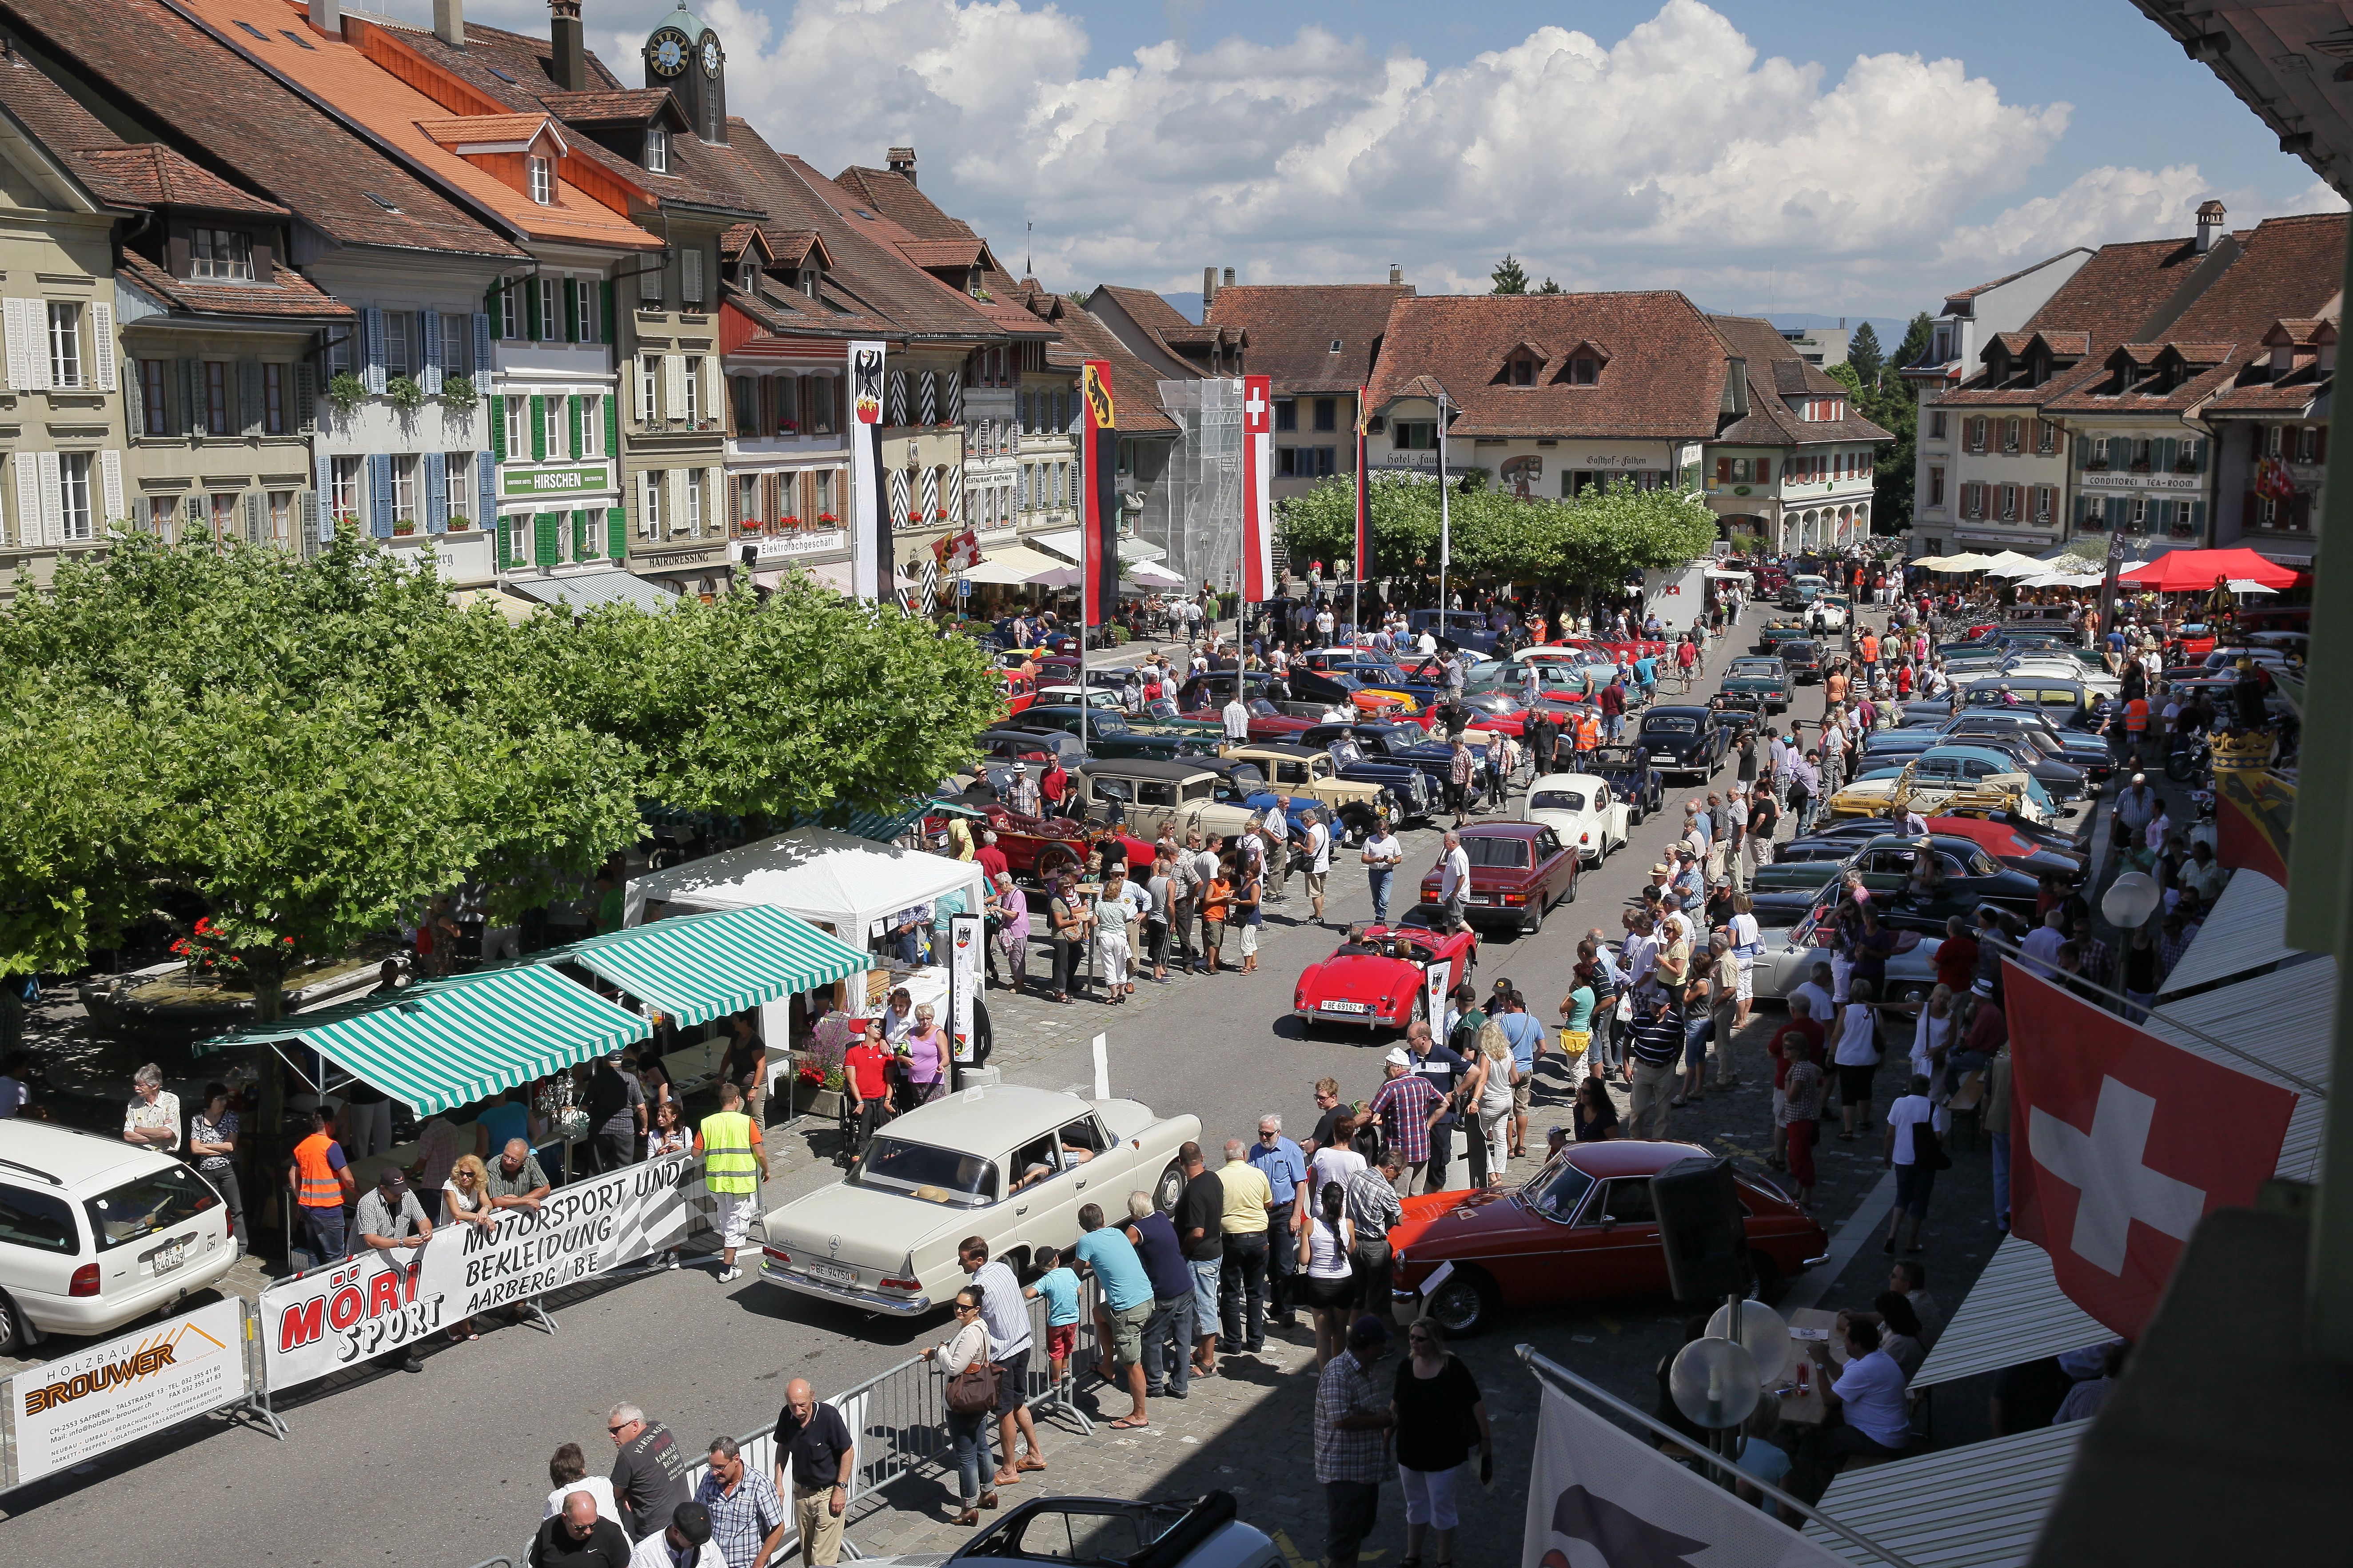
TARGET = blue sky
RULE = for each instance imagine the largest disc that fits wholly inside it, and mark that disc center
(1828, 158)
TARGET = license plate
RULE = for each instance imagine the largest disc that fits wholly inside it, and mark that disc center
(833, 1273)
(1483, 898)
(169, 1258)
(1345, 1006)
(1662, 756)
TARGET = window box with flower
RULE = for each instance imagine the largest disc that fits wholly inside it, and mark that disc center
(828, 519)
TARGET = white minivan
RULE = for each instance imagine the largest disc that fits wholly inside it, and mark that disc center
(95, 1232)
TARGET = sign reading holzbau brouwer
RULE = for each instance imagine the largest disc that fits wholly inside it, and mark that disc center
(332, 1318)
(87, 1403)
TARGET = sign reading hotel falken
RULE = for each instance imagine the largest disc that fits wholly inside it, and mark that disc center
(336, 1316)
(84, 1403)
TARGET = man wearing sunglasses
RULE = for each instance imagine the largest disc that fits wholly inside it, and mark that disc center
(649, 1470)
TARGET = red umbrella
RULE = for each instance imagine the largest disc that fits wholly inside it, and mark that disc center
(2193, 570)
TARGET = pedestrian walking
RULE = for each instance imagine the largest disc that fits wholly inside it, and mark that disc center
(964, 1351)
(1005, 1311)
(747, 1518)
(1317, 854)
(1914, 1150)
(1857, 1058)
(728, 1143)
(1384, 852)
(1654, 1045)
(816, 1458)
(1799, 1110)
(649, 1470)
(1438, 1413)
(1455, 882)
(1352, 1426)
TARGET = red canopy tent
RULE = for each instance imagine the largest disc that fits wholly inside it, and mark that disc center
(2194, 571)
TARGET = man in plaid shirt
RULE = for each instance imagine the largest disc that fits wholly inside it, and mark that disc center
(1407, 1106)
(1352, 1423)
(747, 1521)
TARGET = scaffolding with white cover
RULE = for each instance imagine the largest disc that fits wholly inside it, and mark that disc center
(1195, 512)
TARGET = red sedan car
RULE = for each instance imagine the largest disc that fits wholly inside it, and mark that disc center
(1581, 1229)
(1378, 977)
(1519, 871)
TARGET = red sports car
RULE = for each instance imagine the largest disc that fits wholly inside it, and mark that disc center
(1518, 871)
(2005, 844)
(1036, 846)
(1581, 1229)
(1267, 722)
(1379, 978)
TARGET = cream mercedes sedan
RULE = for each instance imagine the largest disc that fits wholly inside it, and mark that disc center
(1003, 1162)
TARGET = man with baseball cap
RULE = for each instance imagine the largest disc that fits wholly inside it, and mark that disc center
(1407, 1108)
(390, 1218)
(686, 1543)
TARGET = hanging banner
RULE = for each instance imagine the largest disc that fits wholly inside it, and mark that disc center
(376, 1302)
(964, 957)
(1364, 541)
(81, 1404)
(870, 521)
(1257, 481)
(1434, 980)
(1099, 547)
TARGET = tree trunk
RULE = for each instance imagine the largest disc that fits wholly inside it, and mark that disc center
(12, 1012)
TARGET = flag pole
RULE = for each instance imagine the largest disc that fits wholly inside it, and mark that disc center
(1445, 527)
(1552, 1372)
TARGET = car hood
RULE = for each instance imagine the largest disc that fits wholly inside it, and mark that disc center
(1449, 1224)
(864, 1226)
(1359, 977)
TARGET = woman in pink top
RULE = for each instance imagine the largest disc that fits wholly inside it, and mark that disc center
(925, 1056)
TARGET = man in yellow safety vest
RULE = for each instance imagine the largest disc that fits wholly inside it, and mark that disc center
(728, 1142)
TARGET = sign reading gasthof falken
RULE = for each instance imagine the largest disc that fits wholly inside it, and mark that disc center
(82, 1405)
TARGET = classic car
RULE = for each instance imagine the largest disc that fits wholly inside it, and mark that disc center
(1144, 797)
(1267, 722)
(1213, 690)
(1763, 681)
(1032, 746)
(1561, 682)
(1305, 773)
(1519, 871)
(1007, 1162)
(1790, 952)
(2062, 781)
(1417, 790)
(2068, 704)
(1404, 743)
(1582, 808)
(1681, 739)
(1037, 848)
(1632, 778)
(1097, 697)
(1425, 686)
(1802, 590)
(1460, 628)
(2014, 849)
(1378, 977)
(2073, 747)
(1967, 877)
(1936, 780)
(1109, 734)
(1779, 629)
(1835, 611)
(1018, 690)
(1580, 1229)
(1802, 657)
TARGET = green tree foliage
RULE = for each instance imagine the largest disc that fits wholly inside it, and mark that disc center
(1894, 405)
(1551, 288)
(1863, 353)
(1846, 375)
(1510, 276)
(1916, 340)
(1597, 540)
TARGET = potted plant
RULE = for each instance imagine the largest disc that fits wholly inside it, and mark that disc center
(405, 526)
(458, 395)
(828, 519)
(460, 523)
(404, 393)
(819, 1079)
(346, 392)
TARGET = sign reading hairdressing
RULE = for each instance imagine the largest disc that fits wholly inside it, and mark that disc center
(378, 1300)
(81, 1404)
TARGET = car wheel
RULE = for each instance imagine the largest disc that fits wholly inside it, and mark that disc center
(1768, 1287)
(1170, 1190)
(1913, 995)
(1570, 896)
(11, 1327)
(1468, 1303)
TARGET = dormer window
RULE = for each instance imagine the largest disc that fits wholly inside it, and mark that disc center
(811, 277)
(1584, 370)
(656, 151)
(1520, 370)
(747, 276)
(542, 179)
(221, 253)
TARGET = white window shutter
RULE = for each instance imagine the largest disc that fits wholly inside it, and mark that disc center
(674, 385)
(639, 388)
(37, 345)
(675, 501)
(714, 389)
(28, 498)
(110, 478)
(53, 498)
(19, 335)
(101, 337)
(714, 484)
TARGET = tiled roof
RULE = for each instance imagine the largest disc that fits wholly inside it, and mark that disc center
(177, 80)
(1147, 310)
(2269, 397)
(1211, 335)
(1667, 382)
(929, 253)
(473, 128)
(286, 294)
(1135, 389)
(2114, 292)
(1428, 387)
(1777, 374)
(1293, 327)
(631, 106)
(898, 198)
(1964, 296)
(401, 116)
(2307, 330)
(154, 175)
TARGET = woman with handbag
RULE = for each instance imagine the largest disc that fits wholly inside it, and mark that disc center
(971, 1402)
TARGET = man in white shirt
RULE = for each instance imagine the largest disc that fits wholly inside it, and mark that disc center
(1274, 833)
(1317, 852)
(1915, 1177)
(1236, 716)
(1383, 854)
(1323, 626)
(1816, 990)
(2040, 952)
(1455, 882)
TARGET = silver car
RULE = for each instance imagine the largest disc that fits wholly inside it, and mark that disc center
(1785, 964)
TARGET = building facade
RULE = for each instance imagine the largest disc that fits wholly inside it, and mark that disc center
(2271, 445)
(1315, 343)
(1795, 469)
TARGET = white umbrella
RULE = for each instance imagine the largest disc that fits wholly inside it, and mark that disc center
(2249, 586)
(2010, 564)
(1151, 575)
(1968, 561)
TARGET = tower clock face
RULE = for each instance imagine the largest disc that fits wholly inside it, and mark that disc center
(669, 51)
(711, 57)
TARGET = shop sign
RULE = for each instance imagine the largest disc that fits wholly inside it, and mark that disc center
(793, 544)
(706, 556)
(2114, 481)
(550, 481)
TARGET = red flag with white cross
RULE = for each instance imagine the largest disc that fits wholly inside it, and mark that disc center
(2120, 1143)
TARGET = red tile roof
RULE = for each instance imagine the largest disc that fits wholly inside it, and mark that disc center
(453, 130)
(631, 106)
(2113, 293)
(154, 175)
(1667, 382)
(1135, 388)
(898, 198)
(1777, 377)
(286, 294)
(1293, 327)
(1148, 309)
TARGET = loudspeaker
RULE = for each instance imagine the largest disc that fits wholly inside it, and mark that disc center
(1702, 1229)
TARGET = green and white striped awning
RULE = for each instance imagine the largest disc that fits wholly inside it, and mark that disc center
(446, 1043)
(695, 967)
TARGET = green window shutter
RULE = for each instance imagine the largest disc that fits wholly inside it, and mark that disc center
(613, 425)
(571, 412)
(571, 312)
(531, 309)
(538, 429)
(605, 307)
(498, 428)
(580, 534)
(498, 326)
(543, 527)
(617, 531)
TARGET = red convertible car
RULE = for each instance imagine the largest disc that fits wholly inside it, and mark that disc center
(1267, 722)
(1036, 846)
(1519, 871)
(1581, 1229)
(1379, 978)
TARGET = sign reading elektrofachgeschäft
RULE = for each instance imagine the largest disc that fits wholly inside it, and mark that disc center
(332, 1318)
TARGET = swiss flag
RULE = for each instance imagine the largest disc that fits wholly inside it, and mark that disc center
(2120, 1142)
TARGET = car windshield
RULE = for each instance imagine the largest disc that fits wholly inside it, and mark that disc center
(156, 1201)
(1260, 708)
(1556, 1190)
(1556, 800)
(1663, 726)
(1755, 667)
(945, 1176)
(1510, 853)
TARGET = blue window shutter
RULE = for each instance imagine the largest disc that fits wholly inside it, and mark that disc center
(431, 380)
(617, 531)
(380, 494)
(374, 319)
(437, 492)
(325, 483)
(482, 341)
(487, 474)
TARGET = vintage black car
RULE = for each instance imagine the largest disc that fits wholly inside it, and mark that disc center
(1629, 770)
(1802, 657)
(1680, 739)
(1964, 876)
(1109, 735)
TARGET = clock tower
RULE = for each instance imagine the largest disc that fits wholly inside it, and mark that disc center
(685, 56)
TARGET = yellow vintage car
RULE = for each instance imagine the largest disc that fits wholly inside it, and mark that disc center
(1305, 773)
(1891, 796)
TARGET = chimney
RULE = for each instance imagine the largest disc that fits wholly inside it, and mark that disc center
(327, 15)
(1230, 278)
(2209, 223)
(1209, 286)
(1396, 273)
(449, 22)
(568, 46)
(902, 161)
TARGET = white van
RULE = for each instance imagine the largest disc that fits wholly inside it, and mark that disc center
(95, 1232)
